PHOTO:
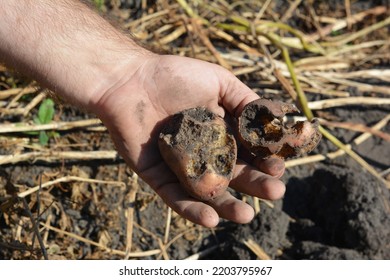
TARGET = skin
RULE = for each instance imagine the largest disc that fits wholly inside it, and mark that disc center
(74, 52)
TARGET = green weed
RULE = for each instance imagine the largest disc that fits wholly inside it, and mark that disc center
(99, 4)
(45, 115)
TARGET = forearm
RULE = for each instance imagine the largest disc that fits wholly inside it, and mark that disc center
(66, 47)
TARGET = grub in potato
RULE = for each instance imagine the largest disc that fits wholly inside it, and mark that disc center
(200, 150)
(263, 132)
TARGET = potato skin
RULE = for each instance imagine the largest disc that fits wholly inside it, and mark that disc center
(200, 150)
(205, 187)
(261, 130)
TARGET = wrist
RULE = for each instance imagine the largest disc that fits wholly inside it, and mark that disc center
(110, 74)
(66, 47)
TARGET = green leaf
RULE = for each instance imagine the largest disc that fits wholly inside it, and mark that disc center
(99, 4)
(31, 132)
(36, 120)
(46, 111)
(53, 134)
(43, 138)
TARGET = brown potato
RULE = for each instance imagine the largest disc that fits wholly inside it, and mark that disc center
(200, 150)
(262, 131)
(198, 147)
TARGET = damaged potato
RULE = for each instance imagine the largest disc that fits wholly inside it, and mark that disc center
(262, 131)
(200, 150)
(198, 147)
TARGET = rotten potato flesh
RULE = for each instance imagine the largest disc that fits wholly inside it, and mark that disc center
(262, 131)
(198, 147)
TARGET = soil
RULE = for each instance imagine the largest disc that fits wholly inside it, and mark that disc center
(335, 212)
(331, 210)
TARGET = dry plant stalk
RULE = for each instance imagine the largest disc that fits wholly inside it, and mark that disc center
(68, 179)
(20, 127)
(256, 249)
(96, 244)
(133, 185)
(4, 94)
(203, 253)
(356, 127)
(330, 103)
(51, 156)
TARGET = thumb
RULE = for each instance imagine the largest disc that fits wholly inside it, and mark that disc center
(234, 94)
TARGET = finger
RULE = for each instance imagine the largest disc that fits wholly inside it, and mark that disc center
(216, 109)
(272, 166)
(193, 210)
(249, 180)
(166, 185)
(234, 94)
(230, 208)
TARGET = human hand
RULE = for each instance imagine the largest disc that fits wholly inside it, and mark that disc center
(88, 62)
(134, 110)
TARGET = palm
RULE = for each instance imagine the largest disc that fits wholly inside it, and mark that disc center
(164, 86)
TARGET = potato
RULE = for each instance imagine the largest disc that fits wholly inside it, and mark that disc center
(200, 150)
(262, 131)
